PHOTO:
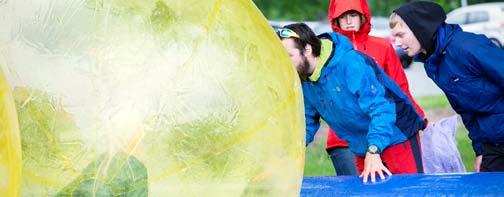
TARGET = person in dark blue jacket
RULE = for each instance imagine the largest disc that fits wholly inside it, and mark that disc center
(355, 97)
(469, 69)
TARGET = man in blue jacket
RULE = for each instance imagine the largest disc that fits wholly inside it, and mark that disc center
(469, 69)
(357, 99)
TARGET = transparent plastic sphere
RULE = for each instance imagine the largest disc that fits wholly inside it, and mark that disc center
(151, 97)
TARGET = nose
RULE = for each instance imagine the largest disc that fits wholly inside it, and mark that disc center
(348, 19)
(396, 41)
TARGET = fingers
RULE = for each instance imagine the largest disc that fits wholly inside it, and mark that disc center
(372, 174)
(382, 177)
(366, 174)
(477, 163)
(387, 171)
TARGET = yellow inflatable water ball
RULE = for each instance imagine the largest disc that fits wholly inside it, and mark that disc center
(10, 148)
(149, 97)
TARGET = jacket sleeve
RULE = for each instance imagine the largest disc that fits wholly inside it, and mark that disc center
(471, 125)
(490, 59)
(312, 122)
(393, 67)
(362, 82)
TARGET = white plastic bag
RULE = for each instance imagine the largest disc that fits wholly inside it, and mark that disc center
(439, 147)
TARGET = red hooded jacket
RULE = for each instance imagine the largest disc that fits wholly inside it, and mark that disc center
(378, 48)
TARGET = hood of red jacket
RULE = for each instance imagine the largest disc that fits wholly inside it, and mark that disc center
(338, 7)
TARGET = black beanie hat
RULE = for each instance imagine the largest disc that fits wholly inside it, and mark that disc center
(424, 19)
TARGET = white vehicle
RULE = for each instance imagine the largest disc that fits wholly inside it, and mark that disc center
(485, 18)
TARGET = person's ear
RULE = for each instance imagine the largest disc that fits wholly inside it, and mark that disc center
(362, 19)
(336, 22)
(308, 49)
(422, 50)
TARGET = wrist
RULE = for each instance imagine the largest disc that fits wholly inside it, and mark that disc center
(373, 149)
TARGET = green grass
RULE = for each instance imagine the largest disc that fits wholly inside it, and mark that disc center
(465, 148)
(432, 102)
(318, 163)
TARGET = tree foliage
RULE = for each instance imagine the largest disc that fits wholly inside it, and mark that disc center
(293, 9)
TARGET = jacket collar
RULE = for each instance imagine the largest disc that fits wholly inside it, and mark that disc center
(336, 45)
(444, 35)
(325, 53)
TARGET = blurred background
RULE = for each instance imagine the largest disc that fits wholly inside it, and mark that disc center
(314, 10)
(478, 16)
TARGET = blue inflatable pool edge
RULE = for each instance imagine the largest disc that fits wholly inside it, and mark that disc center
(460, 184)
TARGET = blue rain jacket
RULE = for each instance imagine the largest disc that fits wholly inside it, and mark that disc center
(470, 71)
(358, 100)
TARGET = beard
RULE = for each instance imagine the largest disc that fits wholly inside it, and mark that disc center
(303, 69)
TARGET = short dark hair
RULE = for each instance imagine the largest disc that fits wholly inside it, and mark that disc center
(306, 36)
(363, 18)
